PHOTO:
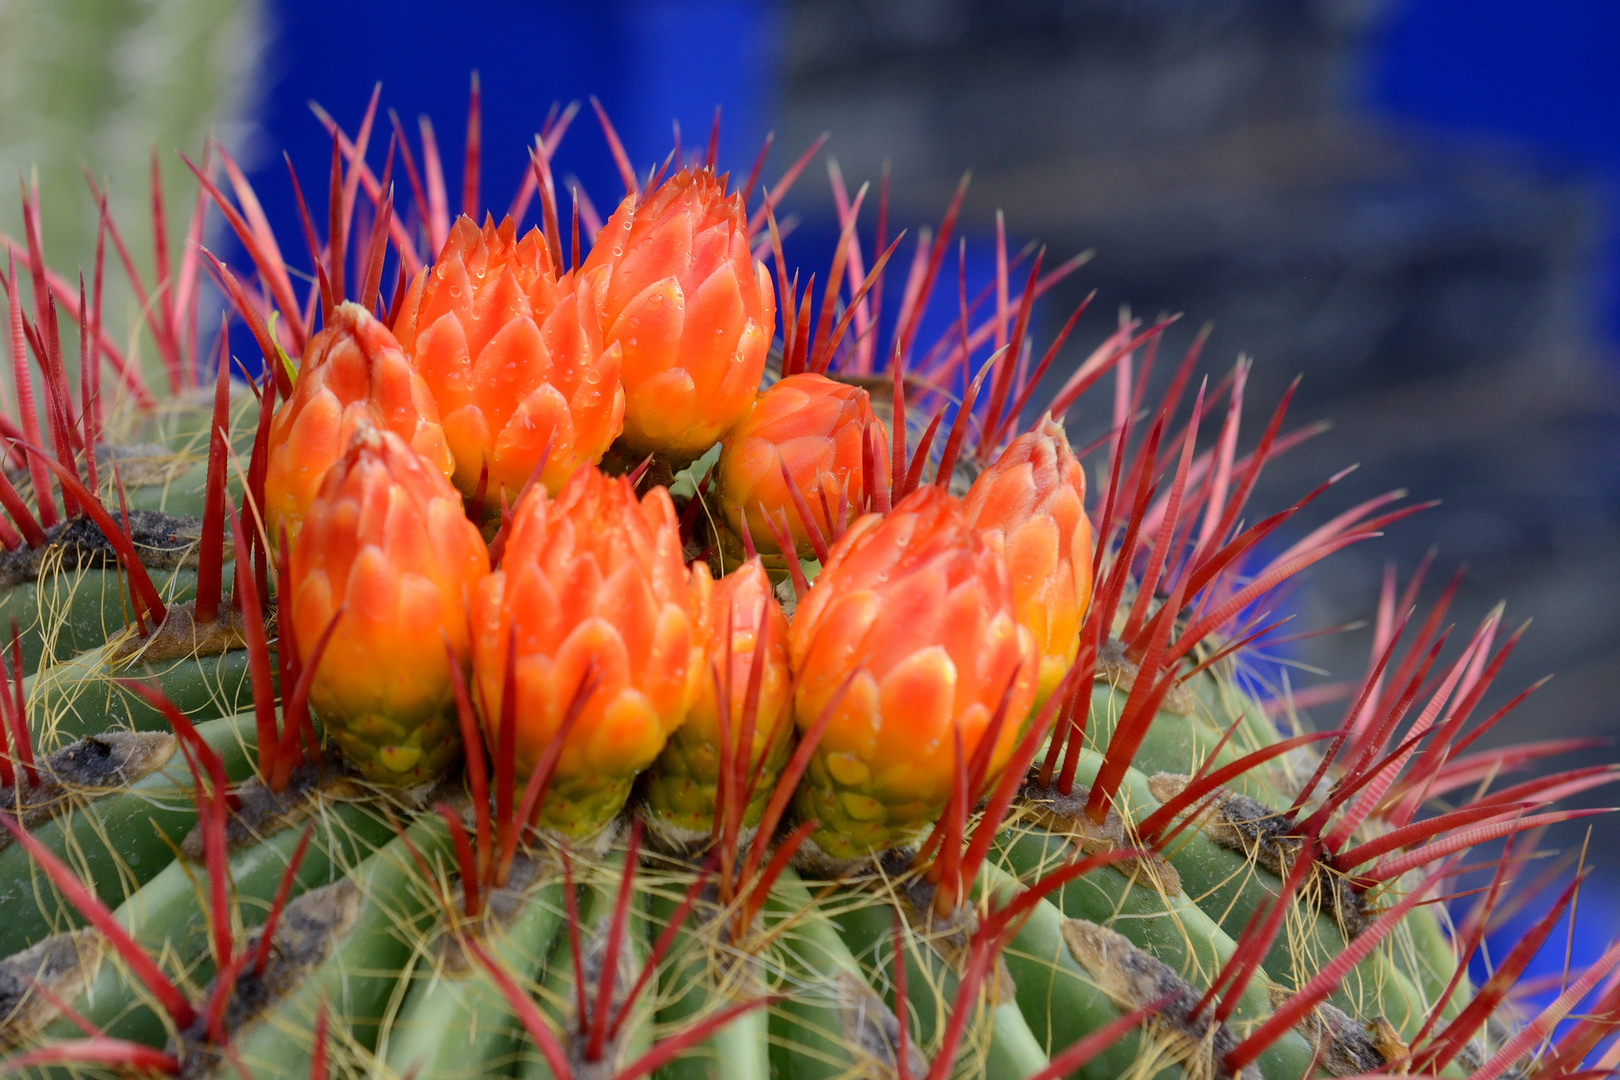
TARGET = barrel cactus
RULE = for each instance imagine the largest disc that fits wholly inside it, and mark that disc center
(723, 707)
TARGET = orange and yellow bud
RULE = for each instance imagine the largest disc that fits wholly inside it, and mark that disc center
(682, 794)
(386, 543)
(353, 374)
(915, 610)
(1034, 497)
(496, 333)
(676, 287)
(591, 581)
(816, 427)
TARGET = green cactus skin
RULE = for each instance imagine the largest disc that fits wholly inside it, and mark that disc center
(557, 995)
(82, 696)
(1211, 875)
(360, 977)
(807, 1040)
(693, 983)
(1010, 1050)
(164, 915)
(74, 608)
(117, 842)
(455, 1023)
(1062, 1003)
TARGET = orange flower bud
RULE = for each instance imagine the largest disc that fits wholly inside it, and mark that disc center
(385, 541)
(590, 578)
(681, 796)
(919, 607)
(497, 335)
(676, 287)
(353, 373)
(1034, 496)
(815, 426)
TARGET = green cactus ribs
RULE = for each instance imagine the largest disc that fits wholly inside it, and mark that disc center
(599, 651)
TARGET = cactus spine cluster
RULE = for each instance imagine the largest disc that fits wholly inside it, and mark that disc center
(601, 654)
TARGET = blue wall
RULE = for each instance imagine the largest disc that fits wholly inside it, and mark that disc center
(1543, 74)
(647, 60)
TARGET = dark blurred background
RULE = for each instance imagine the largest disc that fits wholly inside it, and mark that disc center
(1411, 203)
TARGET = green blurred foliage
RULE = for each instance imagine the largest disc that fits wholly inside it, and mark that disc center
(97, 85)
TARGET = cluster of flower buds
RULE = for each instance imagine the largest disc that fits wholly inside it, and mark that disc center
(910, 637)
(807, 431)
(675, 287)
(514, 361)
(385, 558)
(597, 648)
(353, 376)
(592, 592)
(1033, 498)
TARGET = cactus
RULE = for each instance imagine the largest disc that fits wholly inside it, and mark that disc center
(963, 777)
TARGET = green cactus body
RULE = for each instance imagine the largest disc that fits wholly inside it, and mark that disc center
(118, 842)
(453, 1021)
(164, 915)
(83, 696)
(74, 608)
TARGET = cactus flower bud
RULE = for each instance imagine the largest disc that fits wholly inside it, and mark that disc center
(676, 287)
(497, 335)
(919, 607)
(353, 373)
(815, 426)
(386, 541)
(1034, 496)
(590, 577)
(682, 795)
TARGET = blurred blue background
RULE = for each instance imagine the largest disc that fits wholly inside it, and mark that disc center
(1539, 78)
(649, 62)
